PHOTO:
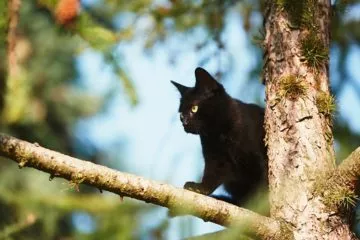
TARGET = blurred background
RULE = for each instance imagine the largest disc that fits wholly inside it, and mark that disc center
(92, 80)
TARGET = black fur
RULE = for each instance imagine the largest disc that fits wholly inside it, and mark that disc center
(232, 138)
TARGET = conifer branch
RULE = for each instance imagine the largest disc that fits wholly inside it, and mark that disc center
(78, 171)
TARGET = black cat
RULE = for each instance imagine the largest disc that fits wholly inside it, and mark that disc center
(232, 138)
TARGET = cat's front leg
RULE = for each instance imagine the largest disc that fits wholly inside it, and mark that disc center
(215, 174)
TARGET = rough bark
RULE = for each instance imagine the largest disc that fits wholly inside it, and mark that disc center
(350, 167)
(124, 184)
(340, 186)
(299, 136)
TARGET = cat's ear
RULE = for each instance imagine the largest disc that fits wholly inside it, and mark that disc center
(182, 89)
(205, 81)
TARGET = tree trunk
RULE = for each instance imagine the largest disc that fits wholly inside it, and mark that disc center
(298, 117)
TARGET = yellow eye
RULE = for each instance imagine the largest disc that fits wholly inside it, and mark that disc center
(194, 108)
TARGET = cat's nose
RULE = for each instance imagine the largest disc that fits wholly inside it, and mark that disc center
(183, 119)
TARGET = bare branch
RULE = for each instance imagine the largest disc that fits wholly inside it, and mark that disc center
(124, 184)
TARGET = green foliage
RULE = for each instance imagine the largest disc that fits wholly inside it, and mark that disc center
(128, 85)
(341, 198)
(347, 140)
(295, 10)
(44, 104)
(16, 103)
(3, 25)
(309, 15)
(42, 206)
(51, 4)
(292, 87)
(314, 51)
(325, 104)
(8, 231)
(337, 196)
(300, 13)
(97, 36)
(304, 14)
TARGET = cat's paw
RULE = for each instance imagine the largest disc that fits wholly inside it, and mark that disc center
(194, 187)
(172, 213)
(175, 213)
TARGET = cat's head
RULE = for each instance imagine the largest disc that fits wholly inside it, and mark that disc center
(200, 104)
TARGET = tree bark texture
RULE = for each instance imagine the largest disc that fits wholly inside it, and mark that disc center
(77, 171)
(299, 136)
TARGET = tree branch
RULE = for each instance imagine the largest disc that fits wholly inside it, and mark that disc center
(350, 168)
(124, 184)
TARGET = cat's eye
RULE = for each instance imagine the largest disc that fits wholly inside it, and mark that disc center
(194, 108)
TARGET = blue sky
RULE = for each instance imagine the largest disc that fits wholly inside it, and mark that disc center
(348, 102)
(155, 145)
